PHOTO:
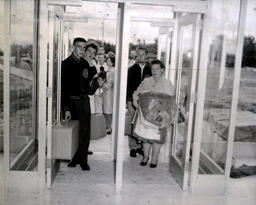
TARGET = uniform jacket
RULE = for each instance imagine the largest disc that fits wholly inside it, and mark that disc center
(76, 77)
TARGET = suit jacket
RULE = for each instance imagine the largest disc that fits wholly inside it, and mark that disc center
(134, 78)
(76, 77)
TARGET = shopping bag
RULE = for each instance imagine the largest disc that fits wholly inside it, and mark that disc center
(98, 127)
(65, 140)
(146, 129)
(157, 108)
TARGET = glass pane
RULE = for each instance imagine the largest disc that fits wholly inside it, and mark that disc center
(55, 69)
(1, 73)
(138, 38)
(23, 143)
(219, 87)
(245, 131)
(183, 91)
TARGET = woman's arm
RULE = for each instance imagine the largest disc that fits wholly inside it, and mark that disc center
(109, 83)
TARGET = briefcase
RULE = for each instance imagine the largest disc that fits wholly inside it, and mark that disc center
(65, 140)
(98, 127)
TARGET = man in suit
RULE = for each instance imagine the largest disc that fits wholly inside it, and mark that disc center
(136, 74)
(77, 74)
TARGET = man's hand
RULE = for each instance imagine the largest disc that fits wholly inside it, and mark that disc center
(85, 73)
(67, 116)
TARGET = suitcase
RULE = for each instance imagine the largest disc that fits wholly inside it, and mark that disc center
(65, 140)
(98, 127)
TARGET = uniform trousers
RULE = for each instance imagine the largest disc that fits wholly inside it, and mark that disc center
(80, 110)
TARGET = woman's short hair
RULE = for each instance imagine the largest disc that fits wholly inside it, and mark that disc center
(158, 62)
(93, 45)
(79, 39)
(110, 53)
(113, 59)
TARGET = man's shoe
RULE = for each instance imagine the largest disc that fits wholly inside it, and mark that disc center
(133, 153)
(72, 164)
(89, 152)
(85, 166)
(140, 151)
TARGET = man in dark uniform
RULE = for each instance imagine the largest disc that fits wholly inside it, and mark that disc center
(136, 74)
(77, 74)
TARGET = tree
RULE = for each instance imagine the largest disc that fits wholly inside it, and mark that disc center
(249, 52)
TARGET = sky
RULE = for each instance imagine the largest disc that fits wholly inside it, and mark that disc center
(138, 30)
(22, 21)
(221, 10)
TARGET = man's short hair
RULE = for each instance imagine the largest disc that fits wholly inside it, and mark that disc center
(79, 39)
(158, 62)
(142, 48)
(93, 45)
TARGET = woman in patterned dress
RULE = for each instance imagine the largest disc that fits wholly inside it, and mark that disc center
(155, 84)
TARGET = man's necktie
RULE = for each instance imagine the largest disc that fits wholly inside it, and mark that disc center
(101, 68)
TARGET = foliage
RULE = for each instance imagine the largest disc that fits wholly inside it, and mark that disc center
(249, 52)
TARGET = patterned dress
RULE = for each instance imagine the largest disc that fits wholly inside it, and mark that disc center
(144, 129)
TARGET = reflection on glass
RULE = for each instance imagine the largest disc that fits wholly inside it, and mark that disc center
(184, 76)
(219, 88)
(245, 130)
(23, 145)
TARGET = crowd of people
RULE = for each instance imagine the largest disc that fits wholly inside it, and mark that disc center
(88, 86)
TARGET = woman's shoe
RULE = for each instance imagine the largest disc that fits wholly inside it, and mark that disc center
(109, 131)
(153, 165)
(144, 163)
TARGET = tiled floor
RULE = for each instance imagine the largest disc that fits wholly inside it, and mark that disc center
(141, 186)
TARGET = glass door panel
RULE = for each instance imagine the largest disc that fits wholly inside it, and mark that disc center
(187, 66)
(53, 105)
(22, 102)
(184, 75)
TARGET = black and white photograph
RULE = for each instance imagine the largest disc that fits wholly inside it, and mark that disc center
(128, 102)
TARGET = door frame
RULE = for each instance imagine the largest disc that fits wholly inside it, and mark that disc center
(202, 7)
(216, 184)
(119, 98)
(14, 180)
(55, 25)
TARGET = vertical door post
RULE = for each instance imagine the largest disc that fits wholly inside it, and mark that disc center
(120, 90)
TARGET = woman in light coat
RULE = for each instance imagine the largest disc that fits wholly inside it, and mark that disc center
(108, 94)
(153, 137)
